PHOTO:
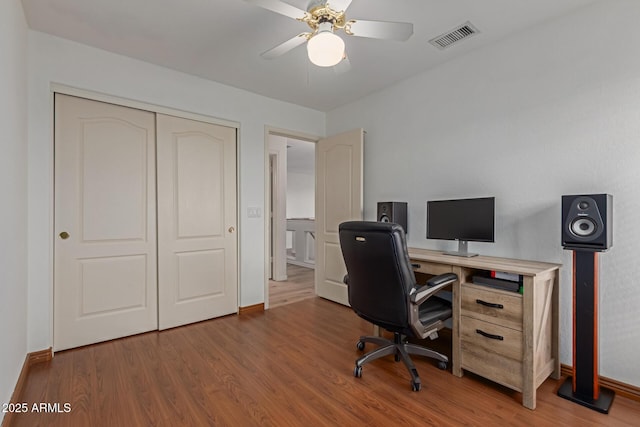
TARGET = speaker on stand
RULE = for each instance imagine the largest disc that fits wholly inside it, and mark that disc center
(395, 212)
(586, 230)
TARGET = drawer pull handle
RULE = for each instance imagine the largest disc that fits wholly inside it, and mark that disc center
(493, 337)
(489, 304)
(416, 265)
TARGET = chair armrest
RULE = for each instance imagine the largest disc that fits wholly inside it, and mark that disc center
(420, 294)
(446, 277)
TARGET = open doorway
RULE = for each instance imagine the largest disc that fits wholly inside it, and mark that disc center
(292, 220)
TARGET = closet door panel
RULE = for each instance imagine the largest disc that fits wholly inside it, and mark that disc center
(105, 283)
(197, 240)
(199, 181)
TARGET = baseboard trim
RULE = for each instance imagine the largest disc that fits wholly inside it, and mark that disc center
(30, 360)
(40, 356)
(627, 390)
(255, 308)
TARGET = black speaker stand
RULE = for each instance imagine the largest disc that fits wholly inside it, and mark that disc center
(601, 404)
(584, 388)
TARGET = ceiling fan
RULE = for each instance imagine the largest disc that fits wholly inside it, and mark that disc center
(325, 17)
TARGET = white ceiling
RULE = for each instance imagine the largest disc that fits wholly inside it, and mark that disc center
(221, 40)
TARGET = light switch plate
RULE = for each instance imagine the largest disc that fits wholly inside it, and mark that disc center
(254, 212)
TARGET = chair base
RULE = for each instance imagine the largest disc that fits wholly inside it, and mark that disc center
(401, 349)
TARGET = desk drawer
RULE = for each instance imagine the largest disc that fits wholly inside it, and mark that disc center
(431, 267)
(492, 351)
(499, 307)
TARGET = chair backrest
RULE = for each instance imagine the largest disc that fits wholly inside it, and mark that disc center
(379, 272)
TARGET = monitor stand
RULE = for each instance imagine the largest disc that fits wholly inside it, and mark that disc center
(462, 250)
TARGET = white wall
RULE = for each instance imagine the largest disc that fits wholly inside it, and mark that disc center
(553, 111)
(13, 189)
(301, 195)
(60, 61)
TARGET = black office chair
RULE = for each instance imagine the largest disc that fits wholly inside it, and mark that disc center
(382, 290)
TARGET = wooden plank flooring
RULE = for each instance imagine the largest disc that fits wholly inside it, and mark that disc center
(298, 286)
(287, 366)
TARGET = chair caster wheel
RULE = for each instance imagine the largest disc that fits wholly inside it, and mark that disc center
(360, 345)
(442, 365)
(357, 371)
(416, 386)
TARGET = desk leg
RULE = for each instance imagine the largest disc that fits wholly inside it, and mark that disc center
(529, 398)
(555, 327)
(456, 369)
(528, 364)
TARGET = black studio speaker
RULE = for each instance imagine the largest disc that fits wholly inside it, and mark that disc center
(395, 212)
(587, 222)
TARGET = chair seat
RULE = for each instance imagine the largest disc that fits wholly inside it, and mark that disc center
(435, 309)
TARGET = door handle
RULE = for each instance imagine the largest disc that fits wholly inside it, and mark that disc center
(64, 235)
(232, 229)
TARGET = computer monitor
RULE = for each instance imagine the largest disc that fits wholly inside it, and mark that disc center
(464, 220)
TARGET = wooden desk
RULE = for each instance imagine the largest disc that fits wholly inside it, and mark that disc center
(515, 341)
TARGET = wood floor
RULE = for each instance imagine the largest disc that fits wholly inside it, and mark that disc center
(287, 366)
(298, 286)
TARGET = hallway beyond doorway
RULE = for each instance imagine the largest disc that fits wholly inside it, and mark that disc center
(298, 286)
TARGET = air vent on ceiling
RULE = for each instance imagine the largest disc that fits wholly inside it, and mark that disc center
(454, 36)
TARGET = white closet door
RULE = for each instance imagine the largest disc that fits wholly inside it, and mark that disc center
(197, 239)
(339, 188)
(105, 222)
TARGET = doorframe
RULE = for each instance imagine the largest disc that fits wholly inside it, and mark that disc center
(140, 105)
(270, 130)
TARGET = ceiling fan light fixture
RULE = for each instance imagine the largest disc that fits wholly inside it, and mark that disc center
(325, 49)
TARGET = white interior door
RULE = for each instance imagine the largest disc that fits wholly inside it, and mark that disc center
(105, 222)
(197, 243)
(339, 182)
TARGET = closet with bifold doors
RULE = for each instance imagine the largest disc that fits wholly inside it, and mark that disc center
(145, 218)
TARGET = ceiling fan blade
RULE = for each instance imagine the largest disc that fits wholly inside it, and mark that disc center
(339, 5)
(279, 7)
(342, 66)
(285, 47)
(400, 31)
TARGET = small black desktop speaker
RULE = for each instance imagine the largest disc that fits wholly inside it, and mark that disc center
(587, 222)
(395, 212)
